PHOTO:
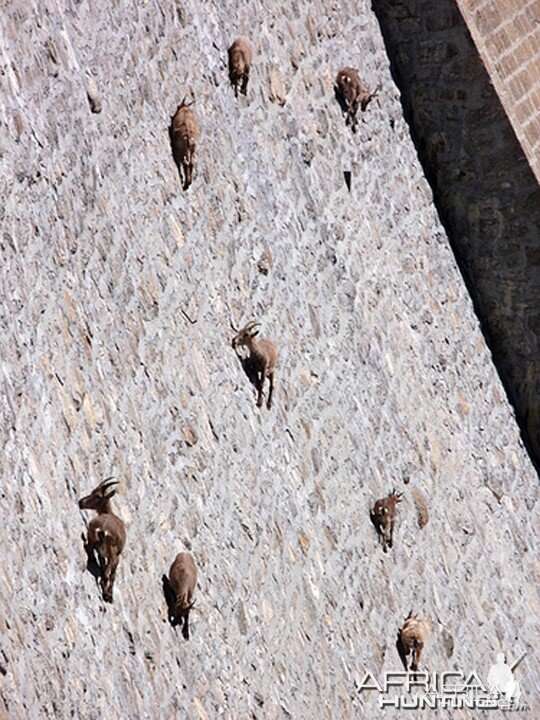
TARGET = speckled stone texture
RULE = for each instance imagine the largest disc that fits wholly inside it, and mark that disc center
(118, 294)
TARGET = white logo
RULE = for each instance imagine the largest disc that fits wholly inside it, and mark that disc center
(421, 690)
(501, 679)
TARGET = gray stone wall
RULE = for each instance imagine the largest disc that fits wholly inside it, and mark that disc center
(118, 290)
(483, 186)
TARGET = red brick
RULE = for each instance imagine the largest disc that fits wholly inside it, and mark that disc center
(525, 109)
(474, 6)
(534, 98)
(510, 64)
(506, 38)
(522, 80)
(522, 53)
(514, 102)
(533, 42)
(532, 132)
(488, 20)
(522, 25)
(522, 113)
(512, 28)
(517, 5)
(493, 47)
(500, 41)
(535, 123)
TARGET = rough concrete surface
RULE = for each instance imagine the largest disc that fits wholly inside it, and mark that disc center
(118, 293)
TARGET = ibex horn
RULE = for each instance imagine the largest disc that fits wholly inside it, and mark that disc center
(252, 324)
(108, 482)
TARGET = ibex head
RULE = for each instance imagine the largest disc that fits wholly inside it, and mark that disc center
(368, 97)
(184, 103)
(244, 336)
(182, 605)
(98, 499)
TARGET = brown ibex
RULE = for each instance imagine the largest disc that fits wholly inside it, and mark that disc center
(106, 534)
(351, 94)
(411, 639)
(240, 59)
(181, 586)
(261, 361)
(383, 516)
(184, 134)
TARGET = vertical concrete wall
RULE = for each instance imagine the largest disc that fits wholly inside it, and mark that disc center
(483, 185)
(507, 35)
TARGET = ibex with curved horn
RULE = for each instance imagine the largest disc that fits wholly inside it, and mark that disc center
(184, 134)
(383, 516)
(262, 360)
(106, 534)
(182, 581)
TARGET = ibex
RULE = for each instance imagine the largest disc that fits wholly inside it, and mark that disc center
(240, 59)
(182, 581)
(261, 361)
(383, 516)
(351, 94)
(411, 639)
(106, 534)
(184, 134)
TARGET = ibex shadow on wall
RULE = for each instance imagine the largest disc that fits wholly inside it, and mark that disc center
(172, 617)
(249, 365)
(169, 599)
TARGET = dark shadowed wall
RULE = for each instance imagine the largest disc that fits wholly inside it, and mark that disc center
(483, 186)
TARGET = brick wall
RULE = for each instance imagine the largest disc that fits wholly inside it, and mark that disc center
(507, 35)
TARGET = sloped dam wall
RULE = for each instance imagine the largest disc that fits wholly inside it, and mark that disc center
(118, 294)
